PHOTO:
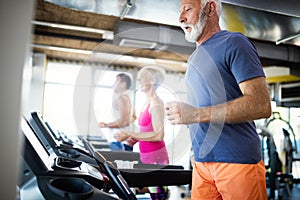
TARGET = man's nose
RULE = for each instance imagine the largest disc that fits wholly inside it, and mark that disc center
(182, 17)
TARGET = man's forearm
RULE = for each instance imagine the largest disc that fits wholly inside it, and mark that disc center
(246, 108)
(117, 124)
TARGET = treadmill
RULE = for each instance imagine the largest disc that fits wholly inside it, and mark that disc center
(141, 175)
(58, 178)
(145, 175)
(72, 148)
(54, 142)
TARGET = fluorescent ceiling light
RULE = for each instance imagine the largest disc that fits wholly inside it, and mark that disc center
(109, 35)
(110, 58)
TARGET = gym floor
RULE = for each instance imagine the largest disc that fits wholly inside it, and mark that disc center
(182, 193)
(295, 193)
(176, 193)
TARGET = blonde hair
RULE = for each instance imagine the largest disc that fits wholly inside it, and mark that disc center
(154, 73)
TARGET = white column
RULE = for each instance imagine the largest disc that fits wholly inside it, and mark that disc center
(15, 32)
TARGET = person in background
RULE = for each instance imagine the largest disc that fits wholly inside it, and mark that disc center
(121, 107)
(227, 91)
(151, 125)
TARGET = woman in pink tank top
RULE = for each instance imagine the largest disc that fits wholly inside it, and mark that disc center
(151, 123)
(151, 152)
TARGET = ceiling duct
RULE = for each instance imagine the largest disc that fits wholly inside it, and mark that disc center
(155, 37)
(280, 55)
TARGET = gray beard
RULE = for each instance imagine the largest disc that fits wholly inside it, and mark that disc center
(196, 29)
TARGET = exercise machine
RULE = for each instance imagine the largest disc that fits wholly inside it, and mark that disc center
(100, 175)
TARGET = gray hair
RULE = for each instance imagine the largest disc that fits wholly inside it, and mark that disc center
(218, 5)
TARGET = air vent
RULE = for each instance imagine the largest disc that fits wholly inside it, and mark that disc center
(287, 94)
(137, 43)
(149, 36)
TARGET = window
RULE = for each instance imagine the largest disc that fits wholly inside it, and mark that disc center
(58, 95)
(77, 97)
(70, 90)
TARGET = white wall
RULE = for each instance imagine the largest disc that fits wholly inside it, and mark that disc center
(15, 31)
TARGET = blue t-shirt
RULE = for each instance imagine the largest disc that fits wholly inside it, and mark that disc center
(214, 72)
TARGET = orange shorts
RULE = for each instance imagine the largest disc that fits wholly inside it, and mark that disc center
(229, 181)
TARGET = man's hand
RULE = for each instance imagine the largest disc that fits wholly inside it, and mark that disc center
(181, 113)
(101, 124)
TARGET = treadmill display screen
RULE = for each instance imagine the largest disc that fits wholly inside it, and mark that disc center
(36, 144)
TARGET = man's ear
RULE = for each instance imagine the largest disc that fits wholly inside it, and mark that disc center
(124, 85)
(211, 8)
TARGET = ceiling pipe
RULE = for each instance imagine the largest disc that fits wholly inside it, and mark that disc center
(288, 38)
(126, 9)
(288, 7)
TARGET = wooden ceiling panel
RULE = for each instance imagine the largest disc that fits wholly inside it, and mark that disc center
(107, 48)
(45, 37)
(49, 12)
(66, 43)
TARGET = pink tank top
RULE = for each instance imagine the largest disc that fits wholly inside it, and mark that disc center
(151, 152)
